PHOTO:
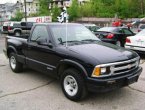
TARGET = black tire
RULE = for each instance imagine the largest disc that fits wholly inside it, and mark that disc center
(81, 92)
(17, 33)
(16, 66)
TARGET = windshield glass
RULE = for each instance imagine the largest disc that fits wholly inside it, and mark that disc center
(74, 33)
(141, 33)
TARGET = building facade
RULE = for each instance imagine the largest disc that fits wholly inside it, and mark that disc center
(8, 10)
(32, 6)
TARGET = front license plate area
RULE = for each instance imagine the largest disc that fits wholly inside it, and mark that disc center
(131, 80)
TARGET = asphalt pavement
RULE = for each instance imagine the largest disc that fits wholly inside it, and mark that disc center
(31, 90)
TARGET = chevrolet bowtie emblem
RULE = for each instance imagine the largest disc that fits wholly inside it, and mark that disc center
(129, 66)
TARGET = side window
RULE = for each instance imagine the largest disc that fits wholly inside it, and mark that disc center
(127, 31)
(120, 31)
(39, 32)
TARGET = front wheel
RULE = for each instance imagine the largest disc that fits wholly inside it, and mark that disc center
(14, 64)
(72, 84)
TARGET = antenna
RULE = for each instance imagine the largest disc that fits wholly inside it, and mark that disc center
(63, 18)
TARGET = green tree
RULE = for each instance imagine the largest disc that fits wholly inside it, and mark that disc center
(73, 11)
(44, 7)
(18, 17)
(55, 13)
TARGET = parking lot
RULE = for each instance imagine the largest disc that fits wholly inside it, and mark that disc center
(31, 90)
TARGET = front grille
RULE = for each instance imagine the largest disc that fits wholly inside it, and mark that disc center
(125, 66)
(122, 67)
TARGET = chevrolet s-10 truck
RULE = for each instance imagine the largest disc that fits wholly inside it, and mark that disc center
(71, 53)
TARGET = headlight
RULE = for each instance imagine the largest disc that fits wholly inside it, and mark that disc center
(98, 71)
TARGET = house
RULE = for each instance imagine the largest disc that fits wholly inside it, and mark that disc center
(8, 10)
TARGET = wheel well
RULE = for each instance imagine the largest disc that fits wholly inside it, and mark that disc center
(17, 31)
(64, 67)
(10, 50)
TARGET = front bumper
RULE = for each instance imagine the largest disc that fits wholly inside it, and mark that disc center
(108, 84)
(136, 48)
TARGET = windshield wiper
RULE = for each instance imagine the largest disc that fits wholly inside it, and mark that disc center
(90, 40)
(73, 41)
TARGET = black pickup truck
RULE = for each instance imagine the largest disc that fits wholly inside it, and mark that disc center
(81, 61)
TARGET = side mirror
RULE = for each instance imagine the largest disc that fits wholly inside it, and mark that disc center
(44, 42)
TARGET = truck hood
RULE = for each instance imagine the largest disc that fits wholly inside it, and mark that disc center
(102, 53)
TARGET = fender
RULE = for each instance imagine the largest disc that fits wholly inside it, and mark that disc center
(17, 29)
(73, 63)
(14, 42)
(11, 48)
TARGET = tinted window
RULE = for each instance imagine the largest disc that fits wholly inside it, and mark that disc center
(126, 31)
(39, 32)
(29, 24)
(17, 24)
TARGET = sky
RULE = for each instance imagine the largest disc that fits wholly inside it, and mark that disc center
(8, 1)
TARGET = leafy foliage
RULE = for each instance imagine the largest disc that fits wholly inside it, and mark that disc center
(44, 7)
(108, 8)
(55, 13)
(74, 10)
(18, 17)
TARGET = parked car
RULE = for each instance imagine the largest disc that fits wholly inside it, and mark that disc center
(5, 27)
(141, 27)
(114, 35)
(79, 59)
(19, 28)
(136, 42)
(92, 27)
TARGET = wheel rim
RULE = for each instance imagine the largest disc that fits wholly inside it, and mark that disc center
(13, 62)
(118, 43)
(17, 34)
(70, 85)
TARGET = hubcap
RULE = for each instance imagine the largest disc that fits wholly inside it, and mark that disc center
(17, 34)
(118, 43)
(13, 62)
(70, 85)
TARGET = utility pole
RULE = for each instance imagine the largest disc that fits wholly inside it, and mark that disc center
(142, 7)
(25, 11)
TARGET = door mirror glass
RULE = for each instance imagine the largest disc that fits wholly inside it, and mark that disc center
(44, 42)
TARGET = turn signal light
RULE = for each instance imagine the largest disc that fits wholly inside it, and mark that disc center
(97, 71)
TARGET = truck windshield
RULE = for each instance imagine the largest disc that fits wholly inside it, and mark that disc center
(74, 33)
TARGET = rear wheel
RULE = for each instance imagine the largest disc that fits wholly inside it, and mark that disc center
(73, 85)
(14, 64)
(17, 33)
(118, 43)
